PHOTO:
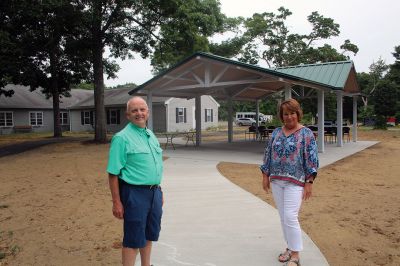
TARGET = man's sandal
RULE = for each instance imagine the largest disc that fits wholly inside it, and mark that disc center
(293, 262)
(285, 256)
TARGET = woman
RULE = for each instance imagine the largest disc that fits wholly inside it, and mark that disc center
(289, 167)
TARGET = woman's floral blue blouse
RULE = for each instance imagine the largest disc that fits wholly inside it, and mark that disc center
(292, 158)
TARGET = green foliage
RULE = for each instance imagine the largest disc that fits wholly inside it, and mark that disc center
(169, 29)
(394, 69)
(397, 116)
(84, 86)
(7, 245)
(41, 47)
(270, 40)
(366, 112)
(126, 85)
(187, 31)
(228, 48)
(380, 122)
(276, 122)
(385, 98)
(307, 118)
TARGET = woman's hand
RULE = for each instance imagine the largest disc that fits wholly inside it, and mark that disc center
(265, 182)
(307, 192)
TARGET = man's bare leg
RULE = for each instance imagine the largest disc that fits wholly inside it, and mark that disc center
(129, 256)
(145, 254)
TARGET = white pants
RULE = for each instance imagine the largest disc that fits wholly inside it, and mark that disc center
(288, 198)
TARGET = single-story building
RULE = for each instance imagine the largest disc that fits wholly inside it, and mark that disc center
(170, 114)
(32, 111)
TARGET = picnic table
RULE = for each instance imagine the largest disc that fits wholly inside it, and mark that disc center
(189, 135)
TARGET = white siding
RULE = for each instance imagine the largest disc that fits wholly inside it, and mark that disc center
(206, 102)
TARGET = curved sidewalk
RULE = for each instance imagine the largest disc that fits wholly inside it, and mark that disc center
(209, 221)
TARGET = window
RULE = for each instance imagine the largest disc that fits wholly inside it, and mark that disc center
(113, 117)
(180, 115)
(208, 115)
(87, 118)
(36, 118)
(63, 118)
(6, 119)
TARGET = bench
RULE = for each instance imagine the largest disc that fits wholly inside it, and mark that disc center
(23, 129)
(189, 136)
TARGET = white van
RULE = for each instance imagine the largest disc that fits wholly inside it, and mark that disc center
(261, 116)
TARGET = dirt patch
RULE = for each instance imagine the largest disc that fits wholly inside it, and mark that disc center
(55, 206)
(58, 204)
(354, 214)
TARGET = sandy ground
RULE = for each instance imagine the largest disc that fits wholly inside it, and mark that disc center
(354, 214)
(55, 206)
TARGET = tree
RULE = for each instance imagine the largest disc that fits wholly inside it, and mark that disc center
(188, 31)
(41, 48)
(126, 27)
(385, 97)
(368, 81)
(394, 76)
(394, 69)
(270, 40)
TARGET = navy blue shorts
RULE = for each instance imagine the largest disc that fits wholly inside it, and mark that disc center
(142, 214)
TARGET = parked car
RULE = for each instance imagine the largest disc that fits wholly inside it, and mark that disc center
(245, 122)
(329, 123)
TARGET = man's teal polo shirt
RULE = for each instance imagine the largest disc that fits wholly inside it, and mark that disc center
(135, 156)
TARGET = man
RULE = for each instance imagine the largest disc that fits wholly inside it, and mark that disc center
(135, 171)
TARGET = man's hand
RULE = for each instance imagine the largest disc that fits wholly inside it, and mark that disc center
(118, 210)
(265, 182)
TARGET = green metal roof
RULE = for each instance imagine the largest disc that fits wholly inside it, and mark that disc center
(334, 74)
(217, 58)
(188, 78)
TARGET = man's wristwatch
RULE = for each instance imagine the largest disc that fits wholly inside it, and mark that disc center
(309, 181)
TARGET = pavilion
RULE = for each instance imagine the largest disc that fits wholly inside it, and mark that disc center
(226, 79)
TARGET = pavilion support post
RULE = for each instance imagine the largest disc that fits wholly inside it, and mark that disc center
(321, 119)
(257, 112)
(230, 118)
(355, 119)
(339, 118)
(150, 106)
(288, 91)
(198, 119)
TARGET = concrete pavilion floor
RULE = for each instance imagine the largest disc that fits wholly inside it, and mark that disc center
(209, 221)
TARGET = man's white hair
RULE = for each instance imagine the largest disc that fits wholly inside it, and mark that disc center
(134, 98)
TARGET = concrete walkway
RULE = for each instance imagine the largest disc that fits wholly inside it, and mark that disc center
(209, 221)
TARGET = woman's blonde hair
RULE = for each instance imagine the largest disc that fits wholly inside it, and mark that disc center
(293, 106)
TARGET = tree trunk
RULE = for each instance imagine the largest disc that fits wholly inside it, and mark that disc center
(365, 101)
(55, 94)
(56, 113)
(100, 118)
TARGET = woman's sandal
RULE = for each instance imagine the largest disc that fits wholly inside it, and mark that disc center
(285, 256)
(293, 261)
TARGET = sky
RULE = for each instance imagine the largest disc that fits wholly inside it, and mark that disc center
(371, 25)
